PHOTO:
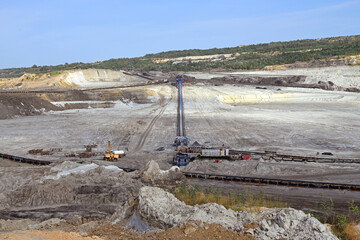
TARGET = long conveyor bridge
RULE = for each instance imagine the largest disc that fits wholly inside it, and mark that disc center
(210, 176)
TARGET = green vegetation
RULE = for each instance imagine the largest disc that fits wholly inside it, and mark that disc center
(325, 212)
(192, 195)
(342, 226)
(242, 57)
(54, 73)
(354, 211)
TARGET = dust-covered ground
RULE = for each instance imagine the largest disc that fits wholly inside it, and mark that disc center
(142, 121)
(293, 121)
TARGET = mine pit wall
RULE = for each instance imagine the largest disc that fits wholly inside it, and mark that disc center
(262, 97)
(278, 81)
(96, 193)
(338, 78)
(97, 77)
(89, 78)
(30, 104)
(23, 105)
(136, 95)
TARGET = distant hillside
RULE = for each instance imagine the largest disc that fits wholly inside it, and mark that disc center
(255, 56)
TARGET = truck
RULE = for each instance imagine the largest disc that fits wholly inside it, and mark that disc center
(110, 155)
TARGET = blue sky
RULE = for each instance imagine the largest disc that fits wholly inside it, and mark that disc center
(57, 31)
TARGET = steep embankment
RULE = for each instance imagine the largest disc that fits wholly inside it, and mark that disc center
(23, 105)
(27, 104)
(89, 78)
(340, 78)
(103, 200)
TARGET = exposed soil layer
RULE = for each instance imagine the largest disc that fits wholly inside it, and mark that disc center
(135, 95)
(73, 79)
(64, 191)
(29, 104)
(67, 212)
(293, 121)
(23, 104)
(115, 232)
(174, 219)
(191, 230)
(280, 81)
(142, 122)
(36, 235)
(345, 78)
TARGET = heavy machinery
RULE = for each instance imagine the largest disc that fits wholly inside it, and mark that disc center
(181, 141)
(110, 155)
(181, 138)
(184, 152)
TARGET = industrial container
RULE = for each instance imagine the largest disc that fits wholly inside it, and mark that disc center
(227, 152)
(210, 152)
(222, 152)
(120, 152)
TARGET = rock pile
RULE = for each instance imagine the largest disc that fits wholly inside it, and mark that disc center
(290, 224)
(152, 174)
(161, 209)
(77, 186)
(93, 192)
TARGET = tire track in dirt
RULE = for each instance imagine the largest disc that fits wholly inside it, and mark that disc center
(211, 119)
(147, 131)
(215, 121)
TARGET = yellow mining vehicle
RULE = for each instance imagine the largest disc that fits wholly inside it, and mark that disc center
(113, 155)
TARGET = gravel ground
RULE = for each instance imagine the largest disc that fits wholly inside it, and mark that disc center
(291, 121)
(295, 121)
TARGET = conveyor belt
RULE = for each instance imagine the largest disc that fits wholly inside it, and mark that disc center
(274, 181)
(208, 176)
(294, 158)
(180, 131)
(24, 160)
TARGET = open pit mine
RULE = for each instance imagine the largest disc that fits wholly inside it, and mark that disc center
(97, 154)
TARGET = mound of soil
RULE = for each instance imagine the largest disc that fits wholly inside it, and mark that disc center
(23, 104)
(86, 190)
(189, 230)
(36, 234)
(73, 95)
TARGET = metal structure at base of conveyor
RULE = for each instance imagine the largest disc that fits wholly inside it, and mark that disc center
(183, 152)
(181, 140)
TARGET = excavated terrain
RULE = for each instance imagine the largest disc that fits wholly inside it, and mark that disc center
(161, 216)
(295, 112)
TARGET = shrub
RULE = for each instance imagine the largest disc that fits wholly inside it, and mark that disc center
(192, 195)
(354, 210)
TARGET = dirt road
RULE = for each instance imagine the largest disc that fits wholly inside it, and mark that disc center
(291, 121)
(147, 131)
